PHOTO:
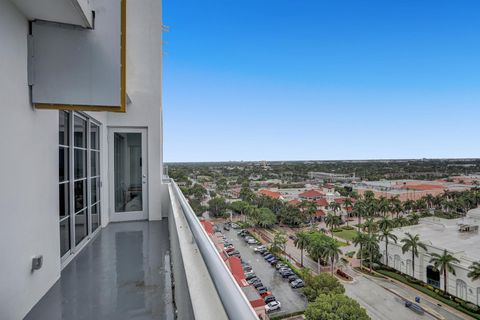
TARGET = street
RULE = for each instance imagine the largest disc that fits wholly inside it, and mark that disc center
(291, 299)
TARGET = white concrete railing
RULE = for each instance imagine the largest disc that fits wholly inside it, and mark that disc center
(201, 278)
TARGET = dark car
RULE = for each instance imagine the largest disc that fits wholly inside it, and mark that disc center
(253, 280)
(292, 278)
(273, 262)
(283, 270)
(268, 256)
(269, 299)
(262, 290)
(266, 253)
(258, 284)
(250, 276)
(280, 265)
(288, 274)
(226, 227)
(247, 269)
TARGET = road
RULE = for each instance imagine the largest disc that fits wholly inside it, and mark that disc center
(376, 296)
(291, 299)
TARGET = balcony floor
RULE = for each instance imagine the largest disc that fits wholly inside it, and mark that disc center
(124, 273)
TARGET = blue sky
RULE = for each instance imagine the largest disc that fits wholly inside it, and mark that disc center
(313, 79)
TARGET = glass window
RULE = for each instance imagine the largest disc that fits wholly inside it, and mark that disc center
(95, 214)
(79, 163)
(63, 164)
(95, 188)
(64, 196)
(95, 163)
(80, 195)
(63, 130)
(80, 134)
(64, 236)
(81, 226)
(78, 218)
(94, 136)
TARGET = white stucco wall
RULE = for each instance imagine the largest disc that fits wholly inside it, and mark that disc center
(29, 157)
(28, 177)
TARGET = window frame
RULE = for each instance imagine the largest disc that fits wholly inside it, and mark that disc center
(72, 212)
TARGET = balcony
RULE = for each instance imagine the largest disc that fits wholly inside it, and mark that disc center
(148, 270)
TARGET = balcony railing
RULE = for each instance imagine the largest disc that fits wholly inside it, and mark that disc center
(204, 288)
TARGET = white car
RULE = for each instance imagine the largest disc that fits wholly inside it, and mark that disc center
(252, 241)
(272, 306)
(259, 248)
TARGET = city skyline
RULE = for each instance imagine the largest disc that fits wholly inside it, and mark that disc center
(321, 80)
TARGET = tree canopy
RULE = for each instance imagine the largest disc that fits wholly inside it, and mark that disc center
(335, 307)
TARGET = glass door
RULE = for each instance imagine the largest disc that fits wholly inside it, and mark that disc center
(128, 174)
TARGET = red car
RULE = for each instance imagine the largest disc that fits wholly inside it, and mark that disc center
(265, 294)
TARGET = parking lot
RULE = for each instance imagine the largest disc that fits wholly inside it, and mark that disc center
(291, 299)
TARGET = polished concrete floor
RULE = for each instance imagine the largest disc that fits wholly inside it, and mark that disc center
(124, 273)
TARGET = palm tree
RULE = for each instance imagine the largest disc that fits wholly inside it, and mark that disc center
(316, 250)
(385, 223)
(370, 225)
(371, 245)
(359, 211)
(474, 273)
(301, 242)
(412, 243)
(331, 221)
(444, 263)
(387, 234)
(347, 204)
(278, 243)
(332, 252)
(334, 206)
(359, 240)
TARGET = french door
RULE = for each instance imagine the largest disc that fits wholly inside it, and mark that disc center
(128, 174)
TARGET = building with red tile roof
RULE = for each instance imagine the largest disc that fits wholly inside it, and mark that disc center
(322, 202)
(311, 195)
(294, 202)
(271, 194)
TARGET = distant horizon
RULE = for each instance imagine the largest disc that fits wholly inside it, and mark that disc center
(321, 80)
(320, 160)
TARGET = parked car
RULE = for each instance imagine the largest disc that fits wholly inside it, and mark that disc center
(287, 274)
(252, 241)
(272, 306)
(234, 253)
(297, 284)
(258, 284)
(284, 269)
(241, 232)
(262, 291)
(266, 294)
(259, 248)
(293, 278)
(265, 253)
(273, 262)
(261, 288)
(251, 281)
(229, 249)
(235, 226)
(226, 227)
(269, 299)
(280, 265)
(250, 276)
(268, 256)
(247, 269)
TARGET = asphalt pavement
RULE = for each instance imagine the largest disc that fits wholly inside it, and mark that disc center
(291, 299)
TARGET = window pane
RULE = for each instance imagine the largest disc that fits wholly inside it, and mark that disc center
(80, 226)
(63, 126)
(80, 195)
(95, 163)
(63, 164)
(64, 200)
(80, 134)
(79, 163)
(94, 136)
(95, 213)
(128, 172)
(64, 236)
(95, 190)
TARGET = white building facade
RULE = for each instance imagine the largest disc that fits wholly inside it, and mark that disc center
(437, 237)
(65, 174)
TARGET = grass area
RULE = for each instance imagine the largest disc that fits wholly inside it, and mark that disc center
(452, 303)
(345, 234)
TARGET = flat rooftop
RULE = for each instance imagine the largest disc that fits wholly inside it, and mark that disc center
(444, 234)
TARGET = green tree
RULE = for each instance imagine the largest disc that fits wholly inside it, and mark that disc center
(265, 218)
(323, 283)
(385, 223)
(474, 272)
(335, 307)
(412, 243)
(301, 242)
(332, 252)
(332, 221)
(217, 206)
(444, 263)
(386, 234)
(278, 243)
(359, 240)
(371, 246)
